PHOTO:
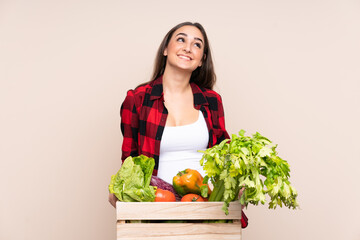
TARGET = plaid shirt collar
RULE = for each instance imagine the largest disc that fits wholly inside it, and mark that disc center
(157, 92)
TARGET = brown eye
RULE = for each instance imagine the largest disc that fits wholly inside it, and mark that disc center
(198, 45)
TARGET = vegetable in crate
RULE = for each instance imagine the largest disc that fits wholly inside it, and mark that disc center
(190, 181)
(162, 195)
(159, 183)
(132, 181)
(245, 161)
(191, 197)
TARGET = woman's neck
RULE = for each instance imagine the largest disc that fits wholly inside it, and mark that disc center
(176, 82)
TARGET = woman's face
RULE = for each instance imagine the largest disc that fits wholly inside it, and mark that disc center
(185, 49)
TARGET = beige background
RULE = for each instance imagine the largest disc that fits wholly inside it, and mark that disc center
(288, 69)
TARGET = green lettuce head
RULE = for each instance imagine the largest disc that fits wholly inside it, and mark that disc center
(132, 181)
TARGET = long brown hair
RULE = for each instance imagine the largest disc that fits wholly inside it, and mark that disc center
(203, 76)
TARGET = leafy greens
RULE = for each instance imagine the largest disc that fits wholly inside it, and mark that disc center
(132, 181)
(245, 161)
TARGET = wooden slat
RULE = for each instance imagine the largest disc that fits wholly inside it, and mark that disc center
(178, 231)
(175, 210)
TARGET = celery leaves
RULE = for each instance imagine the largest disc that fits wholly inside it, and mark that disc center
(252, 163)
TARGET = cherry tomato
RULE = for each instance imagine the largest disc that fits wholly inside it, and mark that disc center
(164, 196)
(192, 198)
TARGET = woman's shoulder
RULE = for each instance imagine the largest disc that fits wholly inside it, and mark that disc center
(210, 94)
(140, 90)
(137, 95)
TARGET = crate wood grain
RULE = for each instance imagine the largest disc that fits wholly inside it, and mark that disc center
(177, 211)
(178, 231)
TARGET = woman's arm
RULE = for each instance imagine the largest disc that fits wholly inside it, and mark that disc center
(129, 126)
(217, 117)
(221, 120)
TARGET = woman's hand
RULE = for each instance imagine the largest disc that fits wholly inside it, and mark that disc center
(112, 199)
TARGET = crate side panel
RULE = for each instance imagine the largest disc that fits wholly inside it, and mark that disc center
(178, 231)
(175, 210)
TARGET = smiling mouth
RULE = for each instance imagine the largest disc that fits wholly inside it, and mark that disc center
(184, 57)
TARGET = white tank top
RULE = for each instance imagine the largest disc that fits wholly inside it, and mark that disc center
(179, 148)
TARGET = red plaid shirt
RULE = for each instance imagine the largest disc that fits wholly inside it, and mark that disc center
(143, 118)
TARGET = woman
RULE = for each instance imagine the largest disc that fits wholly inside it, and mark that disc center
(175, 114)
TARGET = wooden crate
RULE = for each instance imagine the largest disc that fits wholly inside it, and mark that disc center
(177, 211)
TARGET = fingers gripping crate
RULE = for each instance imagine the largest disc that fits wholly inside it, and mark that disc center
(193, 229)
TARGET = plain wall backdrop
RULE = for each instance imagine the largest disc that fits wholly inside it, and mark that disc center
(287, 69)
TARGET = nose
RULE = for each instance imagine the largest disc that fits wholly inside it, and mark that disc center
(187, 48)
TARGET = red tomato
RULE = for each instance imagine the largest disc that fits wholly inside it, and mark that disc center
(192, 198)
(164, 196)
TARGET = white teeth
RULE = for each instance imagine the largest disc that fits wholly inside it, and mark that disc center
(184, 57)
